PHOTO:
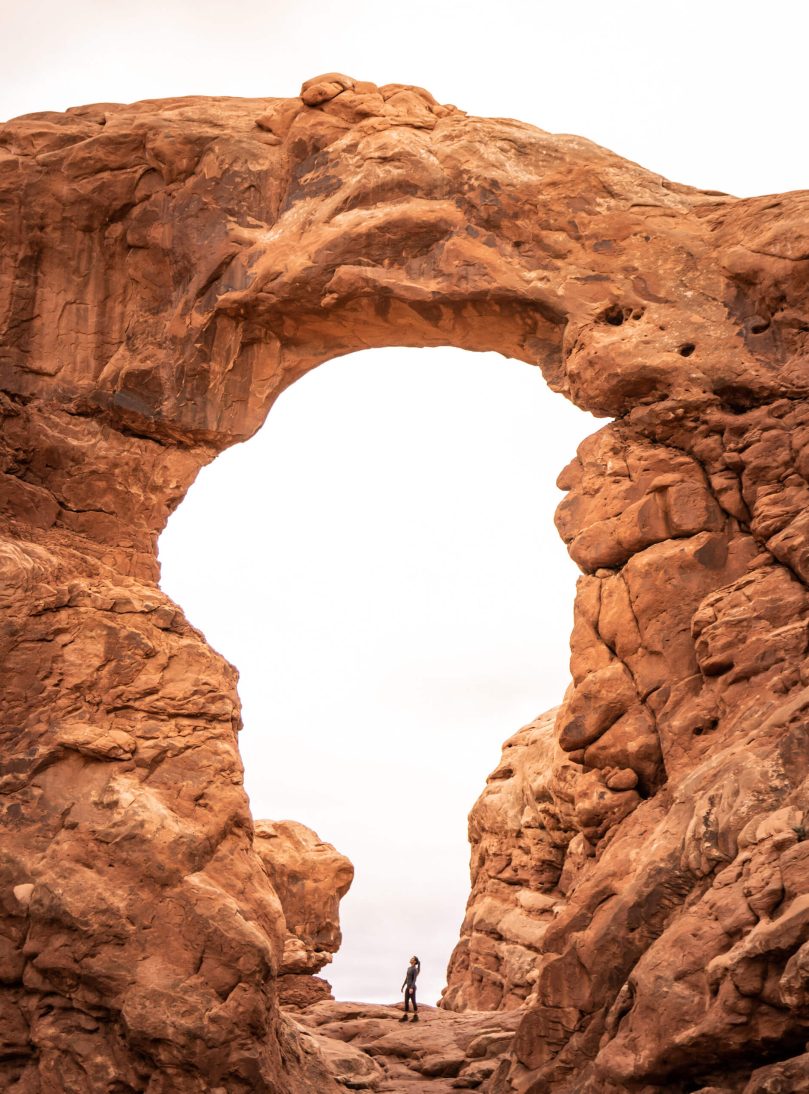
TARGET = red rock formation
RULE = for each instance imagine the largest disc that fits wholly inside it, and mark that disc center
(310, 879)
(366, 1047)
(519, 837)
(166, 270)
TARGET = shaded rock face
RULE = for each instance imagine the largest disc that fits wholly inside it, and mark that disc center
(166, 270)
(310, 878)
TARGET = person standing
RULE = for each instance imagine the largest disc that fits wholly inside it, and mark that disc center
(409, 989)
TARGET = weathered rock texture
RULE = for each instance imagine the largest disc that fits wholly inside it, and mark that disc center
(310, 878)
(167, 269)
(367, 1047)
(519, 837)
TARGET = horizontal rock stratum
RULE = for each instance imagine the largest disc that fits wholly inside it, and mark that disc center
(166, 269)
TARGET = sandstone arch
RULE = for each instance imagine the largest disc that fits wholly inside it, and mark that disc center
(167, 268)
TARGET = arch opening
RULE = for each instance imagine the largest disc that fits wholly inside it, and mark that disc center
(380, 563)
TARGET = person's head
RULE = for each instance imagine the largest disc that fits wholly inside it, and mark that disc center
(415, 961)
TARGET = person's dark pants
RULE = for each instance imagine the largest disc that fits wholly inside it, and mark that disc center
(410, 993)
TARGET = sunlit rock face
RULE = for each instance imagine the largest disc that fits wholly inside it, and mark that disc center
(310, 878)
(519, 834)
(166, 270)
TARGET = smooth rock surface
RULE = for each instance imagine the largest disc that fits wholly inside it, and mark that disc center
(166, 269)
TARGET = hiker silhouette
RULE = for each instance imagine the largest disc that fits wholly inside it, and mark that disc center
(409, 989)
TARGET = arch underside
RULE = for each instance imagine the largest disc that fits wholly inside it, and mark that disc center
(167, 269)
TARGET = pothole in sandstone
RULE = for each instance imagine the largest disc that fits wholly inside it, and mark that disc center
(381, 565)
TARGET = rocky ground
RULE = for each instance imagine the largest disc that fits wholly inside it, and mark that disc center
(367, 1046)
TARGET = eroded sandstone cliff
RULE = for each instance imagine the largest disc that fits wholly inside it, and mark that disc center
(310, 878)
(519, 830)
(166, 270)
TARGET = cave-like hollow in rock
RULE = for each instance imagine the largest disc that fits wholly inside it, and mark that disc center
(167, 269)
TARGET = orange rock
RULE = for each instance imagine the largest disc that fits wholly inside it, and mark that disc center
(310, 878)
(167, 269)
(518, 835)
(623, 779)
(366, 1047)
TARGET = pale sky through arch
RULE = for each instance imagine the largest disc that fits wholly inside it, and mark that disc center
(380, 562)
(707, 94)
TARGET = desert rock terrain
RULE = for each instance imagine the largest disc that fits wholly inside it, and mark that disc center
(640, 902)
(310, 879)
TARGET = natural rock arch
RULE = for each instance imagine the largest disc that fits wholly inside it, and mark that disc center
(167, 269)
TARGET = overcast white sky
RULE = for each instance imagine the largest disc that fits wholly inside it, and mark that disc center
(380, 561)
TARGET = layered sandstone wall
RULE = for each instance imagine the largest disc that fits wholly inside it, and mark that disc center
(668, 945)
(166, 269)
(677, 955)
